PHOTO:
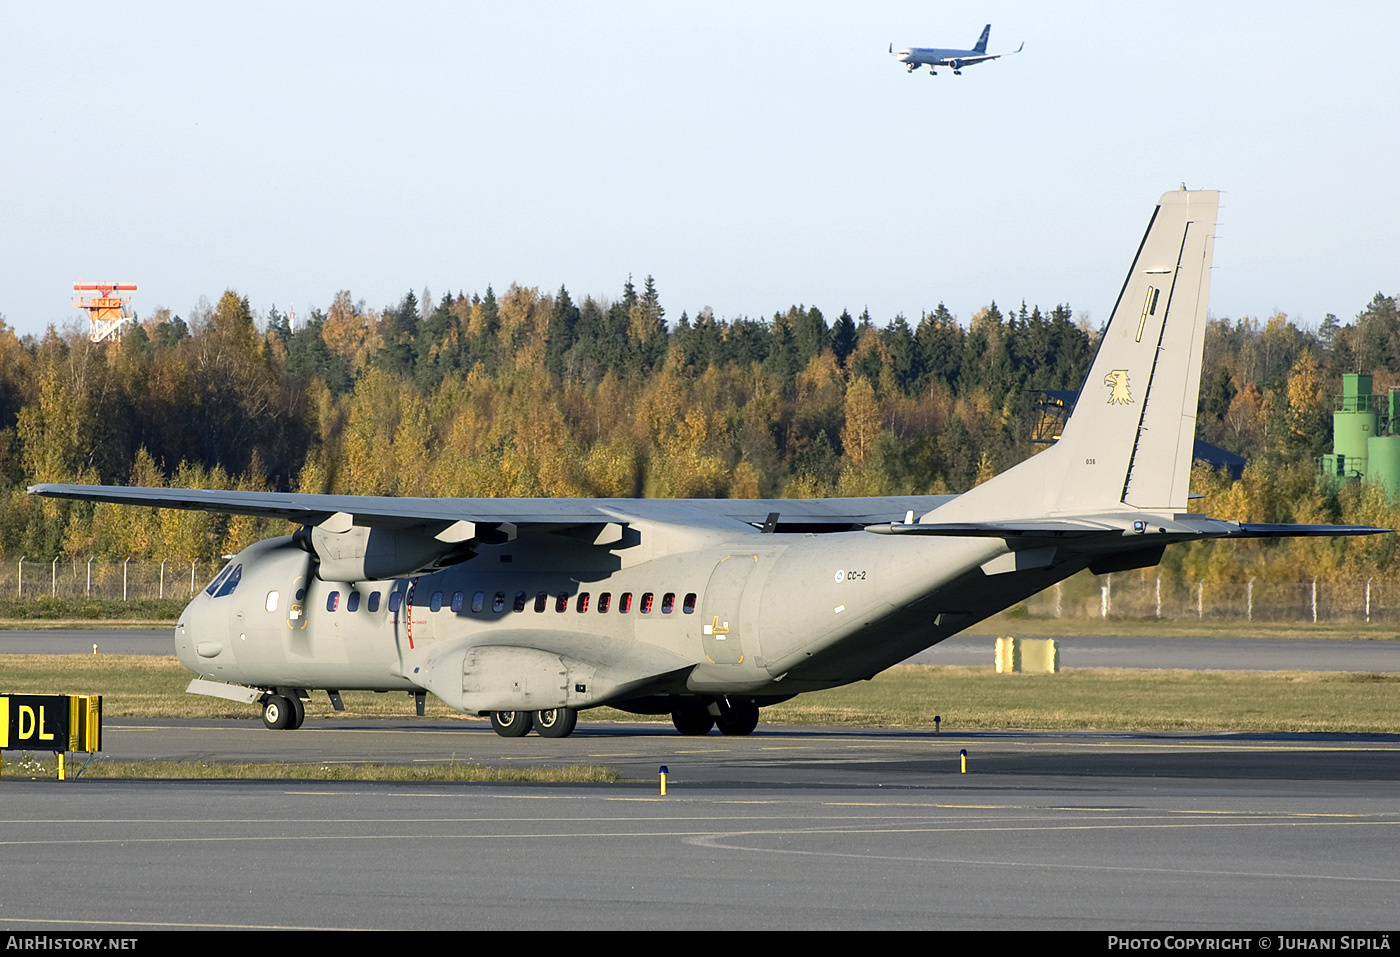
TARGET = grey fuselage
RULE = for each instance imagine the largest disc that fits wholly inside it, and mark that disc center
(766, 615)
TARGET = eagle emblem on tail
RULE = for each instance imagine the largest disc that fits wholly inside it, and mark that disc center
(1117, 382)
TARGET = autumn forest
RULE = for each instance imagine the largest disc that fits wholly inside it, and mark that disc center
(526, 393)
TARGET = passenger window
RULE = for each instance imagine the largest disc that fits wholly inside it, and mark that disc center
(541, 601)
(646, 603)
(519, 604)
(478, 601)
(562, 602)
(395, 600)
(373, 604)
(624, 604)
(333, 601)
(352, 601)
(668, 603)
(435, 603)
(604, 601)
(272, 601)
(498, 604)
(582, 602)
(689, 606)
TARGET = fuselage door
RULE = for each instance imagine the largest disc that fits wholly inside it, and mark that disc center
(297, 600)
(720, 628)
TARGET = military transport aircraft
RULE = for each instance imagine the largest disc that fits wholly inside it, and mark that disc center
(932, 57)
(531, 610)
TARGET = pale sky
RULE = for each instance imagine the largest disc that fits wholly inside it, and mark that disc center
(748, 155)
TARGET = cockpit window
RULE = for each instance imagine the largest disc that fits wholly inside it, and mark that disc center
(218, 580)
(226, 582)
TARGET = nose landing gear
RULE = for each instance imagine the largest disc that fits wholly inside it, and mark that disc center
(283, 712)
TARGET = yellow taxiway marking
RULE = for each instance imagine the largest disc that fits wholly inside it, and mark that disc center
(643, 800)
(1217, 746)
(748, 802)
(1100, 810)
(439, 837)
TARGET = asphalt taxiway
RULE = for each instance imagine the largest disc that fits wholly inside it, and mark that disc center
(788, 828)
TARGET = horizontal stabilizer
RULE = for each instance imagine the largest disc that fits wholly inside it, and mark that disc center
(1260, 530)
(1181, 528)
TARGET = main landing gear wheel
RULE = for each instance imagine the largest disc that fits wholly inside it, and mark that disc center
(298, 711)
(692, 721)
(741, 719)
(278, 713)
(556, 722)
(511, 724)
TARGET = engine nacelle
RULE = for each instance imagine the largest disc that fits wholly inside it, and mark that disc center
(361, 553)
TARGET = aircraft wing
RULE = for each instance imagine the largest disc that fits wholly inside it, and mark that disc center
(880, 515)
(983, 58)
(395, 512)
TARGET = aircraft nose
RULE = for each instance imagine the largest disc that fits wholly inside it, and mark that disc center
(201, 635)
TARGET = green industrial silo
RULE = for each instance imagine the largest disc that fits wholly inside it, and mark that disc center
(1383, 451)
(1353, 425)
(1383, 463)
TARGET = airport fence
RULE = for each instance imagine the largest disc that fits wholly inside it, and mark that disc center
(1147, 593)
(1139, 594)
(125, 580)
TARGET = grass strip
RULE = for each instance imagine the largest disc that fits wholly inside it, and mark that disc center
(96, 612)
(1105, 699)
(46, 767)
(906, 696)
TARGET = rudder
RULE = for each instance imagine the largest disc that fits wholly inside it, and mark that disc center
(1130, 439)
(1136, 416)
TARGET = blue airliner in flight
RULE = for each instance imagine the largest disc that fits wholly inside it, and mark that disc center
(932, 57)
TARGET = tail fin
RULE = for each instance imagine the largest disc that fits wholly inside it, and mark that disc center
(981, 45)
(1129, 441)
